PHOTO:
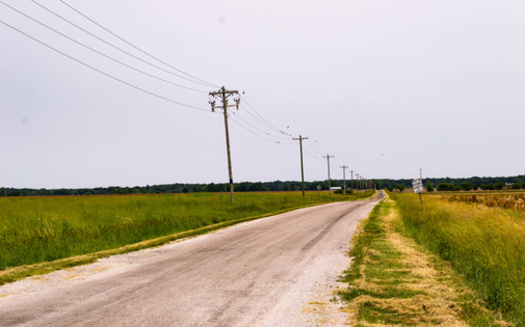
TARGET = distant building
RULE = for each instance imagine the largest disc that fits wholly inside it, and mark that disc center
(335, 188)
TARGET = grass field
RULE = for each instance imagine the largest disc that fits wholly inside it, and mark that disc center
(514, 201)
(40, 229)
(482, 240)
(394, 281)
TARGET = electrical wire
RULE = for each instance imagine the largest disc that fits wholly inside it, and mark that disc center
(311, 155)
(315, 148)
(103, 73)
(98, 52)
(196, 80)
(259, 130)
(264, 121)
(254, 133)
(115, 47)
(309, 144)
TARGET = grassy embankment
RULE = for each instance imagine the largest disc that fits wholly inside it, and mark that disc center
(394, 281)
(43, 229)
(484, 243)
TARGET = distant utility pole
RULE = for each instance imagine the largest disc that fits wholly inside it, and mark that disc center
(421, 177)
(357, 181)
(352, 180)
(328, 156)
(224, 94)
(344, 178)
(300, 139)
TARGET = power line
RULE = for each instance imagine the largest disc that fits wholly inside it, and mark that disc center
(311, 155)
(257, 129)
(102, 40)
(314, 149)
(101, 72)
(265, 121)
(137, 48)
(254, 133)
(262, 123)
(98, 52)
(115, 47)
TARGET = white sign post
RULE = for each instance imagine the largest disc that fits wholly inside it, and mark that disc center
(418, 185)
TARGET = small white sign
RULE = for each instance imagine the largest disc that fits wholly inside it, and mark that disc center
(418, 185)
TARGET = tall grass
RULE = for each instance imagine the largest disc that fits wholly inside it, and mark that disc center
(486, 245)
(35, 229)
(513, 201)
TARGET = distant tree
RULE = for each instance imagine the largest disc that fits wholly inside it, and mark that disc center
(390, 188)
(465, 186)
(475, 187)
(290, 187)
(430, 187)
(500, 186)
(443, 187)
(486, 187)
(400, 187)
(258, 187)
(242, 187)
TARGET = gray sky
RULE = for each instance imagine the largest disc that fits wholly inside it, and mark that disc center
(385, 86)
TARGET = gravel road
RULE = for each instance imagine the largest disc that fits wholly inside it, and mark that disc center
(277, 271)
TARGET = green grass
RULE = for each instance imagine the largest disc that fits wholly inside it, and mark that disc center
(394, 281)
(41, 229)
(486, 245)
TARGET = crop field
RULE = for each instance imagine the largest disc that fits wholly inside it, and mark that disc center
(482, 236)
(514, 201)
(40, 229)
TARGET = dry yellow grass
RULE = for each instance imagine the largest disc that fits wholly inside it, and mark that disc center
(401, 284)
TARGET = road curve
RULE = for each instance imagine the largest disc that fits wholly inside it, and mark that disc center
(259, 273)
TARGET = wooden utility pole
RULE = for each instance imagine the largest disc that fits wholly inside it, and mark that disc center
(344, 178)
(328, 156)
(300, 139)
(224, 94)
(352, 180)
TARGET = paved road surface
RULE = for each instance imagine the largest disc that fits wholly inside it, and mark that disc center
(260, 273)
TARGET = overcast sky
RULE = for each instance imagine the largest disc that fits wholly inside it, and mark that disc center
(387, 87)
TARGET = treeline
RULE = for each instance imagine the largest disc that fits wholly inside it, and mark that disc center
(176, 188)
(441, 184)
(457, 184)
